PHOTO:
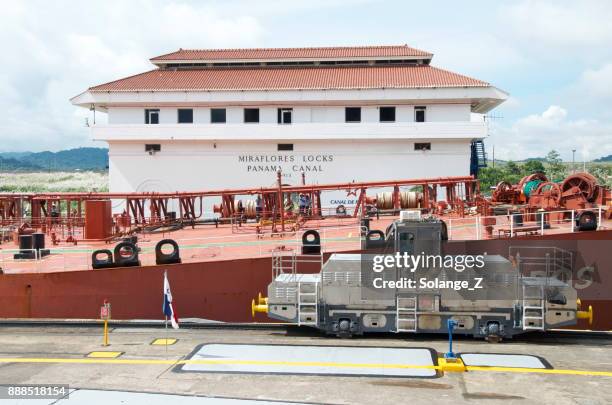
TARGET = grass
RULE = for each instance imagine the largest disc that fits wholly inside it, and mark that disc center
(40, 182)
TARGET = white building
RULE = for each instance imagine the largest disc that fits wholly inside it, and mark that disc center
(215, 119)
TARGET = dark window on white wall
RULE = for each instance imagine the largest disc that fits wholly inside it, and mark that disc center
(422, 146)
(419, 114)
(387, 114)
(285, 147)
(251, 115)
(217, 115)
(285, 115)
(352, 114)
(151, 116)
(185, 116)
(152, 148)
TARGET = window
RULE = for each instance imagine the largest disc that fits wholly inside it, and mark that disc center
(151, 148)
(151, 116)
(419, 114)
(251, 115)
(387, 114)
(285, 115)
(285, 147)
(185, 116)
(217, 115)
(352, 114)
(422, 146)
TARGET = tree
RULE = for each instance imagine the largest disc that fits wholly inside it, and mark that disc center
(512, 168)
(489, 177)
(556, 169)
(533, 166)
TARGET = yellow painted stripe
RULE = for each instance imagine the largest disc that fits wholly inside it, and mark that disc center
(84, 361)
(541, 371)
(164, 342)
(202, 361)
(104, 355)
(300, 363)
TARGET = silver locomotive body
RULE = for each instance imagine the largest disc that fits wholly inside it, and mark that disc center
(333, 300)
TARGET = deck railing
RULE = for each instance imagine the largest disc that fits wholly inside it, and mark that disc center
(518, 224)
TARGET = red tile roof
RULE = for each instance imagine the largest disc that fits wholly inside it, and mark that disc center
(292, 78)
(293, 53)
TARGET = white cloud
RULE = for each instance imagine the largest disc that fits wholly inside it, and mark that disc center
(512, 103)
(537, 134)
(56, 50)
(560, 24)
(596, 83)
(474, 52)
(550, 118)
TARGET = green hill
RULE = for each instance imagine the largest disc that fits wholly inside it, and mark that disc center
(65, 160)
(9, 164)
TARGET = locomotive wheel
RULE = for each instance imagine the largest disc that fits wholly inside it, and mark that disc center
(493, 329)
(493, 339)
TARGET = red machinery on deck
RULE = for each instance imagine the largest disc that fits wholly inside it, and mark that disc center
(576, 191)
(578, 194)
(515, 194)
(48, 211)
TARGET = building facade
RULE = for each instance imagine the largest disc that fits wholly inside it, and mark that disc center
(215, 119)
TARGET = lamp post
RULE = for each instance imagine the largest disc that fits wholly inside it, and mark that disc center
(573, 160)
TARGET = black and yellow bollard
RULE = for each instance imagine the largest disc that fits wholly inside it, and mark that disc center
(261, 306)
(105, 333)
(105, 314)
(588, 314)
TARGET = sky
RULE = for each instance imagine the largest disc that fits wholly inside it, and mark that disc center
(553, 57)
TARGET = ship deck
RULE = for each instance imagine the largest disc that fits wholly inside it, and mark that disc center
(214, 242)
(138, 371)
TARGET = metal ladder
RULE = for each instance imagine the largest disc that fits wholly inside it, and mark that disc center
(283, 263)
(406, 314)
(308, 298)
(535, 319)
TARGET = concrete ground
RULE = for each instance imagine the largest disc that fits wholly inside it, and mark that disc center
(46, 354)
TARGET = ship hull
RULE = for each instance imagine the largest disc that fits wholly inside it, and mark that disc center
(219, 290)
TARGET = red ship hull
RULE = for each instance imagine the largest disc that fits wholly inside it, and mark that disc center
(214, 290)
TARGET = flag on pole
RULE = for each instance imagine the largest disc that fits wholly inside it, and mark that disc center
(168, 308)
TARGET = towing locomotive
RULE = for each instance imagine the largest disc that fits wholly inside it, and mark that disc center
(334, 300)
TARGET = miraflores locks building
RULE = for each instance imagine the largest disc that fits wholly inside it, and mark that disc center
(216, 119)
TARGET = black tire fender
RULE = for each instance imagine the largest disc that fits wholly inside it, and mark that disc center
(131, 260)
(97, 263)
(311, 246)
(167, 258)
